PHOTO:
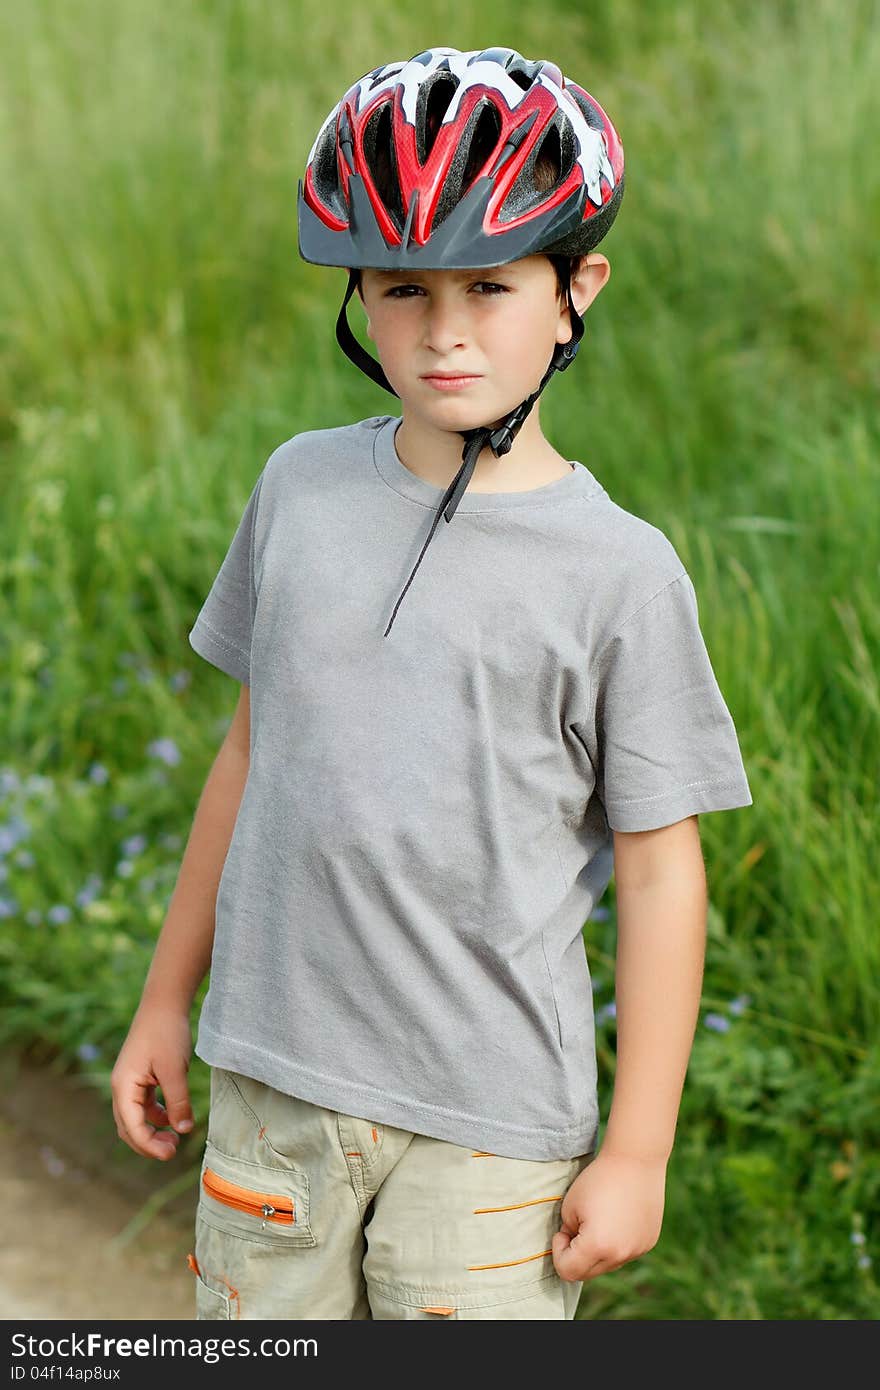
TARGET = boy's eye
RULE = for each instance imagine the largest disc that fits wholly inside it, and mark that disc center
(487, 284)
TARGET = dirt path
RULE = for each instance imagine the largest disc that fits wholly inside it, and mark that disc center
(68, 1193)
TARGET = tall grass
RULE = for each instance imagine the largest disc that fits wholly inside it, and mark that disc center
(159, 336)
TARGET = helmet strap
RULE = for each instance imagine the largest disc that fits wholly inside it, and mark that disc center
(350, 345)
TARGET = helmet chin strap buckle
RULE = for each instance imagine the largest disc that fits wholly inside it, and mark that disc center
(565, 354)
(501, 439)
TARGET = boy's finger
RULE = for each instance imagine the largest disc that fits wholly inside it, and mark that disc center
(133, 1112)
(134, 1130)
(177, 1107)
(159, 1143)
(156, 1114)
(572, 1256)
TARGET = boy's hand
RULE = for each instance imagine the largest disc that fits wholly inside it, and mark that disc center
(612, 1213)
(157, 1051)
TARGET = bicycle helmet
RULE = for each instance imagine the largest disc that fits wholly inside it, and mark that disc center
(431, 164)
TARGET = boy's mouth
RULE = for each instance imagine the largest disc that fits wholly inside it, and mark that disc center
(450, 382)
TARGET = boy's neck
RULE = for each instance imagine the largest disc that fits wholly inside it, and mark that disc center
(435, 456)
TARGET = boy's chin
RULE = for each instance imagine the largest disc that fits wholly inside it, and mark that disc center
(452, 416)
(468, 417)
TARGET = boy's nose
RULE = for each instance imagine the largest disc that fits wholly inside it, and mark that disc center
(444, 328)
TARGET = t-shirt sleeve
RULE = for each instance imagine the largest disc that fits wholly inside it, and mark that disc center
(667, 746)
(222, 630)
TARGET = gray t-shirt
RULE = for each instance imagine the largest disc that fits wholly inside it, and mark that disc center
(426, 823)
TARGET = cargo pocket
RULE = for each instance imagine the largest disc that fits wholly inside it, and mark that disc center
(257, 1201)
(210, 1304)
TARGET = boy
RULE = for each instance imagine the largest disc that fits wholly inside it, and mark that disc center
(405, 831)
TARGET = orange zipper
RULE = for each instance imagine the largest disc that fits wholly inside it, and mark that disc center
(268, 1206)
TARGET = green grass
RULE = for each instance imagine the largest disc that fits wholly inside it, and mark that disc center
(159, 336)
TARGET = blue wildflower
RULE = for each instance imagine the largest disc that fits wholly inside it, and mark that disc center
(166, 750)
(741, 1002)
(8, 839)
(90, 890)
(717, 1022)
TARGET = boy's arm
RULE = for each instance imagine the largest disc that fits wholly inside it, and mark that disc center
(613, 1211)
(182, 955)
(660, 883)
(158, 1047)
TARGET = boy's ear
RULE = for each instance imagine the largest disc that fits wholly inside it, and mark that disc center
(589, 277)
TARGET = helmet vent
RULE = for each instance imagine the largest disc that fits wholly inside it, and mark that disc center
(382, 75)
(546, 168)
(478, 143)
(590, 114)
(325, 172)
(487, 133)
(549, 154)
(520, 79)
(439, 97)
(382, 163)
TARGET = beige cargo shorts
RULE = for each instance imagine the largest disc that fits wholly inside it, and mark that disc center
(306, 1212)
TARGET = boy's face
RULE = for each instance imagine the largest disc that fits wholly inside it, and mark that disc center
(457, 321)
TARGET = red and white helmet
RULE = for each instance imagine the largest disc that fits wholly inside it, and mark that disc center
(460, 134)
